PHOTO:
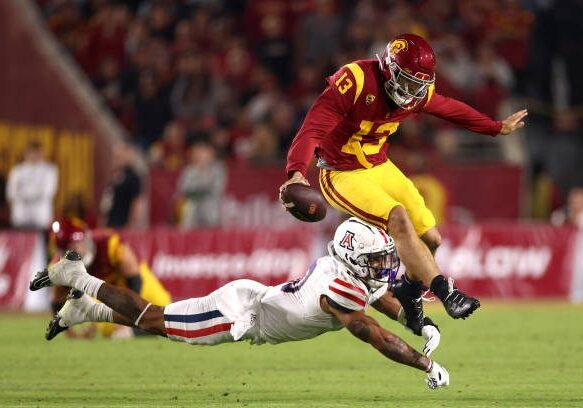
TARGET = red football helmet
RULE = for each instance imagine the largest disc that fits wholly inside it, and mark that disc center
(408, 67)
(73, 233)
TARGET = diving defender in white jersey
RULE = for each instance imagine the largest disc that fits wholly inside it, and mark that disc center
(332, 294)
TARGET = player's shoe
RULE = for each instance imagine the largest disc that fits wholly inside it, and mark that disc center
(73, 312)
(409, 295)
(62, 273)
(457, 304)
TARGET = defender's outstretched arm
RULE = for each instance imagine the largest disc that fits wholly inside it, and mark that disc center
(368, 330)
(390, 306)
(391, 346)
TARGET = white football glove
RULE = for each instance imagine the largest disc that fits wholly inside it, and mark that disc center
(432, 337)
(437, 376)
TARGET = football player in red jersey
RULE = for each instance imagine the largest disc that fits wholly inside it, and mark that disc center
(105, 256)
(347, 127)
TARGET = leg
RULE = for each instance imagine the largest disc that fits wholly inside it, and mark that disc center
(129, 309)
(415, 255)
(380, 196)
(81, 308)
(432, 239)
(421, 267)
(195, 321)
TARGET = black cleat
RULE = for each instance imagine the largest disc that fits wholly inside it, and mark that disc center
(55, 327)
(409, 295)
(40, 280)
(459, 305)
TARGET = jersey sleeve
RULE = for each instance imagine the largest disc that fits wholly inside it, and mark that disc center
(347, 293)
(114, 249)
(327, 112)
(462, 115)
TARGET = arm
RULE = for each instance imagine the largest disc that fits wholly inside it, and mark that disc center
(390, 306)
(52, 181)
(464, 115)
(137, 215)
(129, 267)
(12, 185)
(461, 114)
(320, 120)
(325, 114)
(368, 330)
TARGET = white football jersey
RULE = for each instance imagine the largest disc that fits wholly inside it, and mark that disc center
(291, 311)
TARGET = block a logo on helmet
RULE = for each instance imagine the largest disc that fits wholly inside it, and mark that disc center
(347, 241)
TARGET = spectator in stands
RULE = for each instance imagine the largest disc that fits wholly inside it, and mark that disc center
(31, 189)
(195, 94)
(456, 69)
(171, 151)
(263, 145)
(492, 82)
(275, 50)
(152, 109)
(201, 186)
(122, 203)
(572, 213)
(317, 33)
(75, 206)
(510, 30)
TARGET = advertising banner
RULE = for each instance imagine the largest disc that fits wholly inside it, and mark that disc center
(509, 260)
(17, 254)
(194, 263)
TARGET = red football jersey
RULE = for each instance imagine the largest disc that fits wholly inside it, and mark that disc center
(105, 263)
(350, 122)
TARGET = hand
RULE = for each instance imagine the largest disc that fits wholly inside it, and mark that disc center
(432, 336)
(297, 177)
(513, 122)
(437, 376)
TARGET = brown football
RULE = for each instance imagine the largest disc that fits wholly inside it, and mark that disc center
(303, 202)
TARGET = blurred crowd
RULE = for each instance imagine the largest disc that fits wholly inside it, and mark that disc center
(242, 74)
(197, 79)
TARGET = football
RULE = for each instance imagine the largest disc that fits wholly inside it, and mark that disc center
(304, 202)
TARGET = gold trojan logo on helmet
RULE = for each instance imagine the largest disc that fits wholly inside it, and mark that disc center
(397, 46)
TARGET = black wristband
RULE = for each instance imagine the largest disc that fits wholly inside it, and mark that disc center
(134, 283)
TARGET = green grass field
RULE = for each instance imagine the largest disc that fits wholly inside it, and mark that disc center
(507, 355)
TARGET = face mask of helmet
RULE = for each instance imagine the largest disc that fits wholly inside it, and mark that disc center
(404, 89)
(375, 269)
(382, 267)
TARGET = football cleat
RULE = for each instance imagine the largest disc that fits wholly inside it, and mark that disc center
(40, 280)
(409, 295)
(74, 311)
(57, 274)
(458, 304)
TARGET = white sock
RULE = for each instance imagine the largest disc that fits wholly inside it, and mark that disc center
(100, 313)
(88, 284)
